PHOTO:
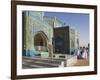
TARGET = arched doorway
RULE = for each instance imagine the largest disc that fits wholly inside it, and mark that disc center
(40, 42)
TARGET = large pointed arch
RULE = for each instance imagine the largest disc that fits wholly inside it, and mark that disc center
(41, 41)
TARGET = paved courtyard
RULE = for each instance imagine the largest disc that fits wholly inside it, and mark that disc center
(82, 62)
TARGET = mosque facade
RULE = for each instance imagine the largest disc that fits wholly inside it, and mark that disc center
(46, 36)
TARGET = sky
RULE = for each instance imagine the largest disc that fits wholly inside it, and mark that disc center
(78, 21)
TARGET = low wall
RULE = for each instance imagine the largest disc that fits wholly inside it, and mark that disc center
(71, 61)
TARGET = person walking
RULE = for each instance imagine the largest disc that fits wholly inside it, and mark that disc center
(84, 55)
(80, 53)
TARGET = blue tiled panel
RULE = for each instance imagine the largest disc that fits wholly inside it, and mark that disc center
(31, 53)
(72, 50)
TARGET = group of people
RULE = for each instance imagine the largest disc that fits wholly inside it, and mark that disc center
(83, 53)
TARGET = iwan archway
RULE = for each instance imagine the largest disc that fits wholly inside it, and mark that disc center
(41, 42)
